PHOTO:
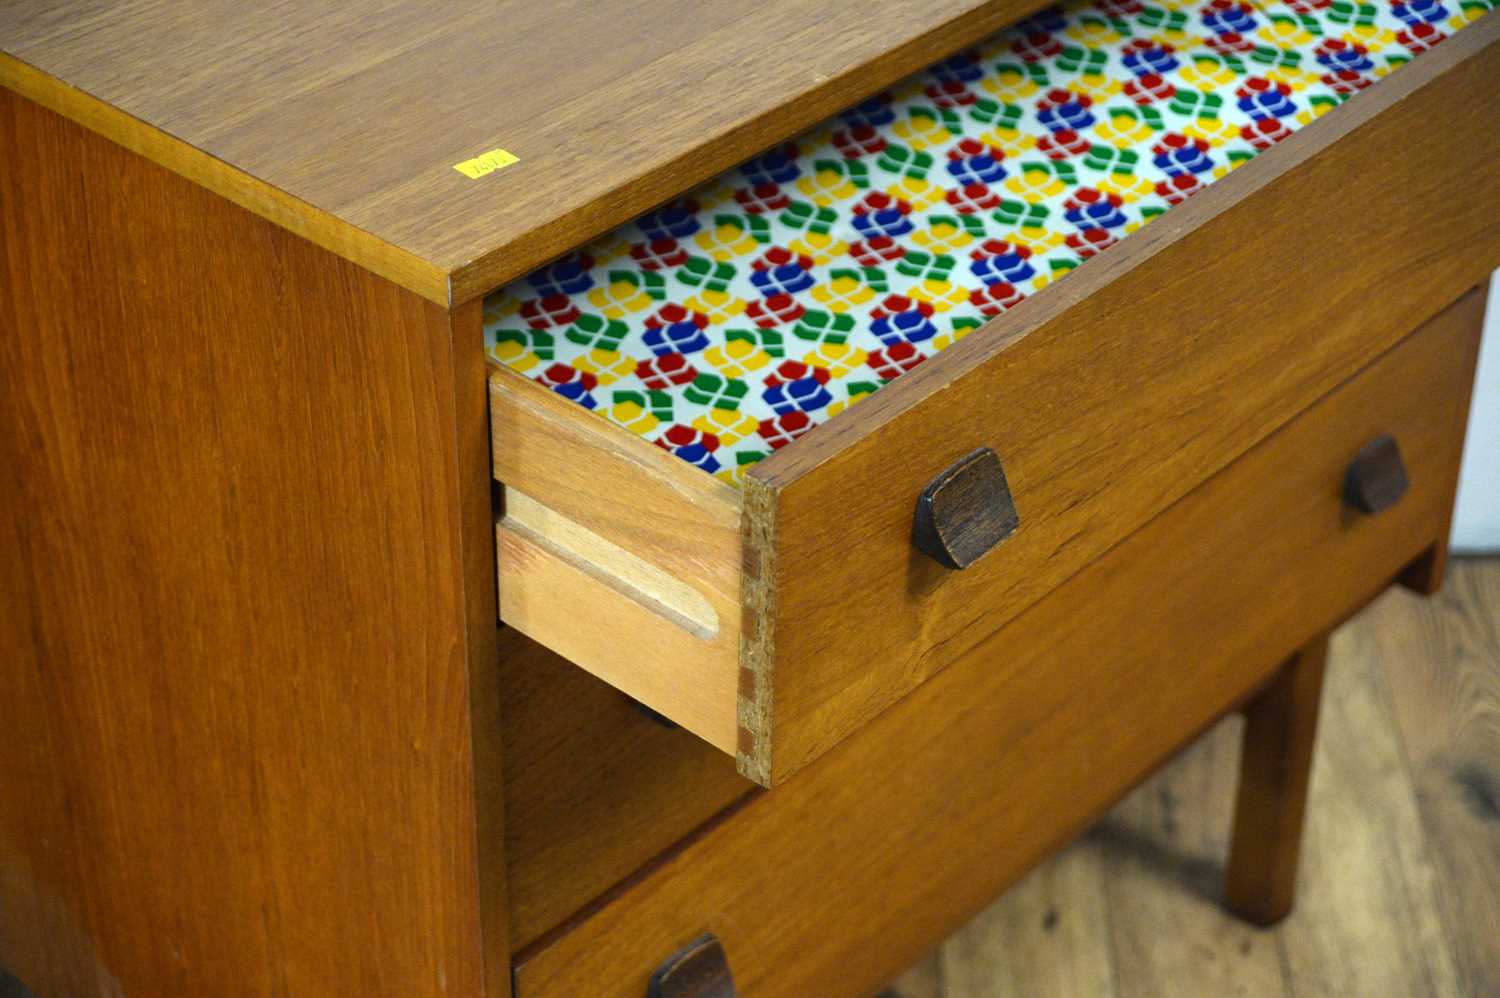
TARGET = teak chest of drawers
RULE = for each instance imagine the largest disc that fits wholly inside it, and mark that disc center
(287, 429)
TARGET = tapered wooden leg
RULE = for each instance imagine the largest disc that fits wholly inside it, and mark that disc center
(1275, 767)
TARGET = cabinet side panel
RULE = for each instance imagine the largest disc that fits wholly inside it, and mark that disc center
(238, 611)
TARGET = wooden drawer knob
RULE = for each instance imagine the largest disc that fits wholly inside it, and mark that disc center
(965, 511)
(699, 970)
(1376, 479)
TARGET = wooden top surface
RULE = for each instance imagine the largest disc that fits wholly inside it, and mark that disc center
(344, 121)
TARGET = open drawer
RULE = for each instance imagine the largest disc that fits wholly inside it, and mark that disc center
(773, 603)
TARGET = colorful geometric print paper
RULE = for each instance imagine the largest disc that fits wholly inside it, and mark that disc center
(730, 322)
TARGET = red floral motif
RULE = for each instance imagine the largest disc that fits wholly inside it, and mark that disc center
(563, 374)
(661, 373)
(1037, 46)
(881, 201)
(775, 310)
(1149, 88)
(1057, 97)
(1265, 133)
(1091, 242)
(1420, 38)
(1061, 145)
(794, 370)
(1230, 43)
(778, 256)
(858, 140)
(762, 198)
(993, 299)
(658, 254)
(999, 247)
(1120, 9)
(671, 314)
(553, 310)
(1307, 6)
(1175, 190)
(785, 428)
(1346, 81)
(678, 435)
(894, 360)
(876, 250)
(896, 304)
(950, 93)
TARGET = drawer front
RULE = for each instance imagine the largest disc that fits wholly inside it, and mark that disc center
(1113, 394)
(776, 621)
(917, 821)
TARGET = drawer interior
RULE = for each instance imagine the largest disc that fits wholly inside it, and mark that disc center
(637, 380)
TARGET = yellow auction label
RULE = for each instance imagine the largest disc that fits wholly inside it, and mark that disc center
(489, 162)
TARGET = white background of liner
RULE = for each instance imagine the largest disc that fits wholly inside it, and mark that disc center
(1476, 524)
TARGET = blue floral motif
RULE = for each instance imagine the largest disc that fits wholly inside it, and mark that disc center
(980, 169)
(802, 395)
(1010, 268)
(874, 112)
(1069, 115)
(1150, 59)
(885, 222)
(567, 276)
(671, 221)
(1415, 12)
(787, 279)
(910, 326)
(679, 337)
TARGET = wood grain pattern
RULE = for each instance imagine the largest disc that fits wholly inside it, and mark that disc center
(1150, 368)
(1396, 849)
(246, 601)
(1281, 725)
(1438, 669)
(635, 497)
(358, 112)
(593, 789)
(1053, 715)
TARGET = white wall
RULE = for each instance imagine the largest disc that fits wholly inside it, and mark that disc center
(1476, 523)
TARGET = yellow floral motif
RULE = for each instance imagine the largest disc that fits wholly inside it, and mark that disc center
(726, 424)
(827, 187)
(922, 130)
(838, 358)
(835, 408)
(606, 365)
(945, 340)
(514, 355)
(1214, 131)
(719, 306)
(1373, 37)
(1207, 72)
(1034, 184)
(1130, 187)
(919, 194)
(499, 307)
(941, 295)
(1011, 141)
(736, 358)
(618, 299)
(942, 237)
(1093, 32)
(633, 417)
(726, 240)
(821, 246)
(1123, 129)
(1314, 112)
(1010, 85)
(1097, 86)
(842, 293)
(1036, 238)
(1285, 32)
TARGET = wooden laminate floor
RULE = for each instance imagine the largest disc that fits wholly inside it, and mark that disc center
(1400, 885)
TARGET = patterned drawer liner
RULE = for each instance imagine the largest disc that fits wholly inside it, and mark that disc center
(730, 322)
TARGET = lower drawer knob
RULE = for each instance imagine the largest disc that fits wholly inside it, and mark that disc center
(965, 511)
(698, 970)
(1376, 479)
